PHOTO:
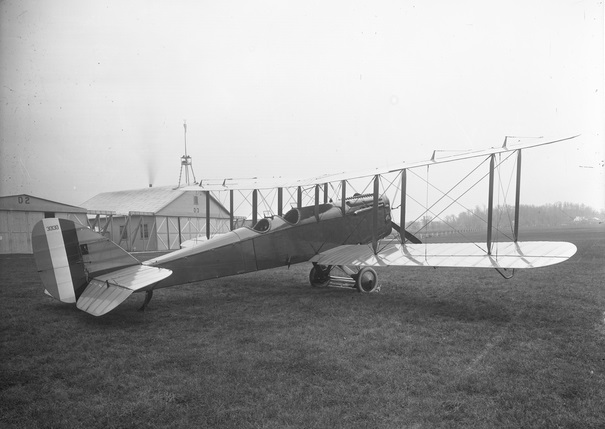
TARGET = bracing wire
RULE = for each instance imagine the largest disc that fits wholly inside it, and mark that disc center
(454, 200)
(446, 194)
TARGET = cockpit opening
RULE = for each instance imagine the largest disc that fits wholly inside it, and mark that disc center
(262, 225)
(292, 216)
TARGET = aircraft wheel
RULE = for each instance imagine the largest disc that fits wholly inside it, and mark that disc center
(367, 280)
(319, 276)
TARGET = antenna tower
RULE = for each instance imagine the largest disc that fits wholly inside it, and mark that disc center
(186, 162)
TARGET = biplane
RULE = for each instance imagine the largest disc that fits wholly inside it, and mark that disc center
(344, 233)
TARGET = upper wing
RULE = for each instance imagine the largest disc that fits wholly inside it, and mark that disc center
(269, 183)
(106, 292)
(532, 254)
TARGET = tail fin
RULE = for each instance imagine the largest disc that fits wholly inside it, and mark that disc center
(68, 257)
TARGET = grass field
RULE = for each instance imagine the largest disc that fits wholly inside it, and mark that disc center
(435, 348)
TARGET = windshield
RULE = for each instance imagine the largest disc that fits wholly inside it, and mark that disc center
(262, 225)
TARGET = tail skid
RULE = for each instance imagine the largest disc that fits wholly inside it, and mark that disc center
(80, 266)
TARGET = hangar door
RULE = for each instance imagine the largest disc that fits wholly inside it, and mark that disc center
(16, 229)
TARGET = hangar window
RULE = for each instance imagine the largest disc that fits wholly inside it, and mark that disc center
(144, 231)
(48, 215)
(123, 232)
(195, 201)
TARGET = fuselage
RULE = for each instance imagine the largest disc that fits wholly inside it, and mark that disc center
(278, 241)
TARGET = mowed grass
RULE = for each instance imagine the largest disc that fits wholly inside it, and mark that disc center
(435, 348)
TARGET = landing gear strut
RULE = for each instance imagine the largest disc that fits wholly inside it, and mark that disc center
(365, 280)
(148, 296)
(320, 275)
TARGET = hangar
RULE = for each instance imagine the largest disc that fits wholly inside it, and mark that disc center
(19, 214)
(157, 218)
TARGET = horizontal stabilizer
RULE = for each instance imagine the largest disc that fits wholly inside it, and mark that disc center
(531, 254)
(106, 292)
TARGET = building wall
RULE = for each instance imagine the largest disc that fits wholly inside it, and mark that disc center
(16, 228)
(161, 233)
(181, 220)
(139, 236)
(194, 205)
(192, 227)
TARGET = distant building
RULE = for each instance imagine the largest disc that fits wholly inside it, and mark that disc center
(19, 214)
(156, 218)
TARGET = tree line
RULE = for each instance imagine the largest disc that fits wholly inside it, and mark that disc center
(548, 215)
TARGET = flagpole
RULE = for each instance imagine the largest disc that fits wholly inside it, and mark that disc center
(185, 127)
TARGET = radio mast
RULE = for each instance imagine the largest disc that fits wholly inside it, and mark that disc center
(186, 162)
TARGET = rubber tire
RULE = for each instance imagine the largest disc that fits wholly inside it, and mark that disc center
(319, 276)
(366, 280)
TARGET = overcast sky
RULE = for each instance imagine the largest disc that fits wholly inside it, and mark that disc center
(94, 93)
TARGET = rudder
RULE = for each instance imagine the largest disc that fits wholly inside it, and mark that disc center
(68, 257)
(57, 255)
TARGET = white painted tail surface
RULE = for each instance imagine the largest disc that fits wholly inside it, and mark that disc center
(106, 292)
(57, 256)
(78, 265)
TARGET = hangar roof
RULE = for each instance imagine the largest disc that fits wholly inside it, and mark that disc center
(145, 200)
(29, 203)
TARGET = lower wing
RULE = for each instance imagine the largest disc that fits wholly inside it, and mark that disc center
(531, 254)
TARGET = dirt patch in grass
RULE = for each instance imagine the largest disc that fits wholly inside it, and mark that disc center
(435, 348)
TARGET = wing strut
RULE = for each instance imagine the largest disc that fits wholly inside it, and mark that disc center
(404, 178)
(343, 200)
(490, 204)
(254, 206)
(375, 214)
(316, 203)
(231, 210)
(280, 201)
(207, 217)
(517, 198)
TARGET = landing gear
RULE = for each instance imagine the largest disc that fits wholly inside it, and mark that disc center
(319, 275)
(365, 280)
(148, 296)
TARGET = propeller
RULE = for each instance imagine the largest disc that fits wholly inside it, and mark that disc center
(408, 235)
